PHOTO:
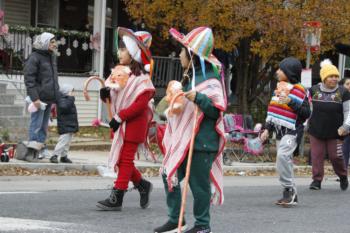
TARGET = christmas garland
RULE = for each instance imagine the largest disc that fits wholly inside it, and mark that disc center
(57, 32)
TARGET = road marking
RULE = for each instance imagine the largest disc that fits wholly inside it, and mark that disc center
(23, 192)
(17, 224)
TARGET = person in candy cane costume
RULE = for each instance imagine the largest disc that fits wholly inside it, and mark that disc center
(202, 87)
(132, 112)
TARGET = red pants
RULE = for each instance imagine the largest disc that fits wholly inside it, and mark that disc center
(319, 147)
(126, 167)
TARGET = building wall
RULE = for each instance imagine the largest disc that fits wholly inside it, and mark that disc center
(87, 110)
(17, 12)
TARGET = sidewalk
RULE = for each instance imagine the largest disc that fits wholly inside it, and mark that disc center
(88, 161)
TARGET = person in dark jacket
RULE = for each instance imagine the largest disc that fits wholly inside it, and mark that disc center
(285, 116)
(40, 78)
(328, 123)
(67, 124)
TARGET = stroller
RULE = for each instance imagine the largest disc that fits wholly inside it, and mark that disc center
(6, 152)
(243, 141)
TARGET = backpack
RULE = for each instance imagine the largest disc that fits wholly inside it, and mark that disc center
(23, 152)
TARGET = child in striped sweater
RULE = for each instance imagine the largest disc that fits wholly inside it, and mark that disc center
(285, 116)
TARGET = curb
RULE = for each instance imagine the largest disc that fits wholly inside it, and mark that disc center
(50, 166)
(149, 169)
(85, 147)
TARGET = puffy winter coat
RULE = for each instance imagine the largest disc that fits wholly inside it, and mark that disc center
(67, 116)
(40, 77)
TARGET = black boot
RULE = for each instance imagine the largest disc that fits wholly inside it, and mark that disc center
(114, 202)
(145, 188)
(344, 183)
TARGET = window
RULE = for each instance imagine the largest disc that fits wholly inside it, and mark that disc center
(47, 13)
(347, 67)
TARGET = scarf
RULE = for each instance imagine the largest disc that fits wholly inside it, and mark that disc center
(282, 114)
(178, 134)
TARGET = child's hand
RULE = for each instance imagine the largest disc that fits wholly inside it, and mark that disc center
(264, 135)
(37, 103)
(341, 131)
(283, 99)
(191, 95)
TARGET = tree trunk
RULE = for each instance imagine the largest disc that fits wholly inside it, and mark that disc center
(243, 65)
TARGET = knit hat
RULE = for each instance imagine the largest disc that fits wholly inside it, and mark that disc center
(66, 88)
(328, 69)
(292, 68)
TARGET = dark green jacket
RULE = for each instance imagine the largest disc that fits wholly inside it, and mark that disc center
(207, 138)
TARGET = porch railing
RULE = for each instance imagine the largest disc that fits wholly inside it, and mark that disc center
(75, 56)
(166, 69)
(74, 53)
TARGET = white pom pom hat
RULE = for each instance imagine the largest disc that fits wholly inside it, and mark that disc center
(138, 44)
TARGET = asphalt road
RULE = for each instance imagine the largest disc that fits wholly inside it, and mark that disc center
(67, 204)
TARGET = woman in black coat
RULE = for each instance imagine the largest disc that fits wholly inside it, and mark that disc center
(40, 78)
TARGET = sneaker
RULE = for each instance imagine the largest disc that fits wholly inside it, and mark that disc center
(289, 198)
(344, 183)
(44, 153)
(199, 229)
(65, 160)
(54, 159)
(35, 145)
(315, 185)
(170, 227)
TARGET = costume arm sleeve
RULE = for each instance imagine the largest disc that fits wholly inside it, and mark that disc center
(30, 75)
(206, 105)
(136, 108)
(303, 111)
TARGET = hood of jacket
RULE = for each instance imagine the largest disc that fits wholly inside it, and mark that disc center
(66, 88)
(42, 41)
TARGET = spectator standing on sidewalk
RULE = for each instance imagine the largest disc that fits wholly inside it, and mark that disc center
(41, 81)
(327, 126)
(67, 124)
(286, 117)
(132, 113)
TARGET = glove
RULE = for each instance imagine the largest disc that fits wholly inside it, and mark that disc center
(114, 124)
(105, 93)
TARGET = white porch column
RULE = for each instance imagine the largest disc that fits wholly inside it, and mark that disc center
(99, 27)
(341, 65)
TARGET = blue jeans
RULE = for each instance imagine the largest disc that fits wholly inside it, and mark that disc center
(346, 151)
(39, 122)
